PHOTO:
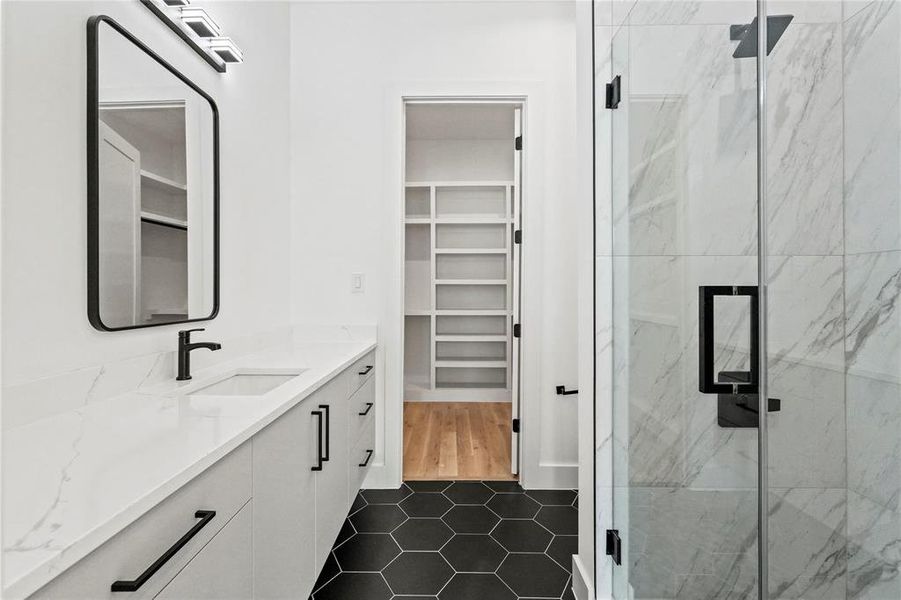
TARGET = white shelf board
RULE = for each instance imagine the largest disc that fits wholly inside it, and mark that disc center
(470, 282)
(474, 312)
(472, 220)
(418, 220)
(150, 217)
(461, 337)
(162, 183)
(445, 385)
(493, 183)
(470, 250)
(410, 312)
(471, 363)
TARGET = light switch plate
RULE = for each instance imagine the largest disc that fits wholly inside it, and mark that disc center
(357, 283)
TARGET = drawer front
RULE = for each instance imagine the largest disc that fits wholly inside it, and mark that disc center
(362, 371)
(223, 569)
(362, 408)
(224, 488)
(361, 457)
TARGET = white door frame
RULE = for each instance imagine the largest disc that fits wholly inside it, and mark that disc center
(387, 471)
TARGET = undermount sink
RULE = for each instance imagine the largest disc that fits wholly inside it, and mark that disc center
(247, 383)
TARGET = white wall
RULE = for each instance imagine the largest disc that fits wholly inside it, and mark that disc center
(347, 60)
(45, 325)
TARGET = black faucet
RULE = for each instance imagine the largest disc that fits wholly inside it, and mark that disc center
(184, 352)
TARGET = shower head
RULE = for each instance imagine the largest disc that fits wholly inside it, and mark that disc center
(746, 35)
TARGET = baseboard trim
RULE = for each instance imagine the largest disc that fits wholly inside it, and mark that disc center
(549, 476)
(380, 478)
(582, 587)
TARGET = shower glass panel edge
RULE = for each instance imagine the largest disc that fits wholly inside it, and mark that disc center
(682, 213)
(763, 398)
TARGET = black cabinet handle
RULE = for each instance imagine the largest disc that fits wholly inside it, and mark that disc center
(328, 436)
(318, 465)
(562, 391)
(134, 585)
(366, 370)
(744, 382)
(368, 456)
(368, 408)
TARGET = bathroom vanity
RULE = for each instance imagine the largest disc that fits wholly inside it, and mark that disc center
(232, 485)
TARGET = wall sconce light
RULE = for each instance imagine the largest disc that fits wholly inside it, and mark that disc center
(198, 30)
(226, 49)
(200, 22)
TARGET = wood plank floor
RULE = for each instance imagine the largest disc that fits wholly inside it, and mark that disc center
(457, 440)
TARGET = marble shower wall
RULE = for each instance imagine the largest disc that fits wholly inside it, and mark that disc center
(683, 214)
(872, 265)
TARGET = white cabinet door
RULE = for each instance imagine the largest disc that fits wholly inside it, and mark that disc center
(223, 570)
(284, 515)
(331, 481)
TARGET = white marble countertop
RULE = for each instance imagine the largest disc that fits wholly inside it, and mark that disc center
(74, 480)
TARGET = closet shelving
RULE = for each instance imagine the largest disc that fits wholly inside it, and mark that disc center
(458, 285)
(155, 133)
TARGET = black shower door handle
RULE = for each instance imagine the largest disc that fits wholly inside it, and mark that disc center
(748, 380)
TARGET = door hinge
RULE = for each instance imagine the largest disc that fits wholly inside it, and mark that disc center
(517, 142)
(614, 546)
(517, 236)
(515, 425)
(517, 330)
(613, 93)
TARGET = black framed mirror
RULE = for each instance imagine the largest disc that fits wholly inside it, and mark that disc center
(153, 187)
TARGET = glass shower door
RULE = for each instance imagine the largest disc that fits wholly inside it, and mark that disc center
(681, 247)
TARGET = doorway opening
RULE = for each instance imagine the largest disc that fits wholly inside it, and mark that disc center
(462, 272)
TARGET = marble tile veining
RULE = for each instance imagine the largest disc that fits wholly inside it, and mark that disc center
(872, 115)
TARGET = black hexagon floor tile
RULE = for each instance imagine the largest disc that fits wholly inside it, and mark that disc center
(474, 553)
(505, 487)
(386, 496)
(422, 534)
(359, 502)
(560, 520)
(354, 585)
(550, 497)
(514, 506)
(453, 545)
(378, 518)
(522, 535)
(562, 549)
(367, 552)
(347, 531)
(426, 505)
(428, 486)
(418, 573)
(568, 594)
(471, 519)
(468, 492)
(328, 572)
(475, 586)
(533, 575)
